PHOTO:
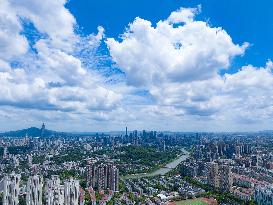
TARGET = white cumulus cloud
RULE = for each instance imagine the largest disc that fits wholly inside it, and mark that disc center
(179, 62)
(168, 53)
(50, 76)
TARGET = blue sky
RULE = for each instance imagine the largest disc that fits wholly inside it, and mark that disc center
(244, 20)
(180, 65)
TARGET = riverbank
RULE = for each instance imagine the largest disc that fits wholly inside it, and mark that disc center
(161, 171)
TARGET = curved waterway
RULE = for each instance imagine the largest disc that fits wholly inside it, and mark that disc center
(164, 170)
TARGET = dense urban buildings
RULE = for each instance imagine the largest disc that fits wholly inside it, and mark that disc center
(134, 167)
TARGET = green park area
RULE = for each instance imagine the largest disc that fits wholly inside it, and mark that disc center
(191, 202)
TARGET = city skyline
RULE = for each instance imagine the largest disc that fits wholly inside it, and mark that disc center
(81, 66)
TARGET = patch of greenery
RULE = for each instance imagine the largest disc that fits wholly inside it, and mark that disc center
(220, 197)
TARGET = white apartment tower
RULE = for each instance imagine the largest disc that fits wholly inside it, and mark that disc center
(54, 192)
(34, 190)
(71, 192)
(11, 189)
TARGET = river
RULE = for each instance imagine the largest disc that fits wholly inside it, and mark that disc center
(164, 170)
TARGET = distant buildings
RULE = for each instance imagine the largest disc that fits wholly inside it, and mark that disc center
(29, 159)
(192, 169)
(102, 176)
(216, 150)
(43, 130)
(126, 132)
(5, 154)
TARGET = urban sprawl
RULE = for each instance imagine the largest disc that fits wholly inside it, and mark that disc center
(39, 166)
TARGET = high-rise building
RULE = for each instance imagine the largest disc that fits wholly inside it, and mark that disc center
(11, 189)
(16, 161)
(112, 177)
(34, 190)
(90, 173)
(71, 192)
(213, 170)
(189, 169)
(102, 176)
(126, 132)
(54, 192)
(225, 178)
(219, 176)
(43, 130)
(5, 152)
(263, 195)
(29, 159)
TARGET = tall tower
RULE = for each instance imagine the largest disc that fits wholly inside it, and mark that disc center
(126, 132)
(54, 192)
(213, 172)
(43, 130)
(225, 182)
(5, 152)
(71, 192)
(11, 189)
(112, 177)
(34, 190)
(91, 173)
(103, 176)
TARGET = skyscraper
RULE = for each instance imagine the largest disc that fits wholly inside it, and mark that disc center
(34, 190)
(112, 177)
(213, 178)
(71, 192)
(43, 130)
(29, 158)
(219, 176)
(11, 189)
(225, 178)
(5, 152)
(103, 176)
(90, 173)
(54, 192)
(126, 132)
